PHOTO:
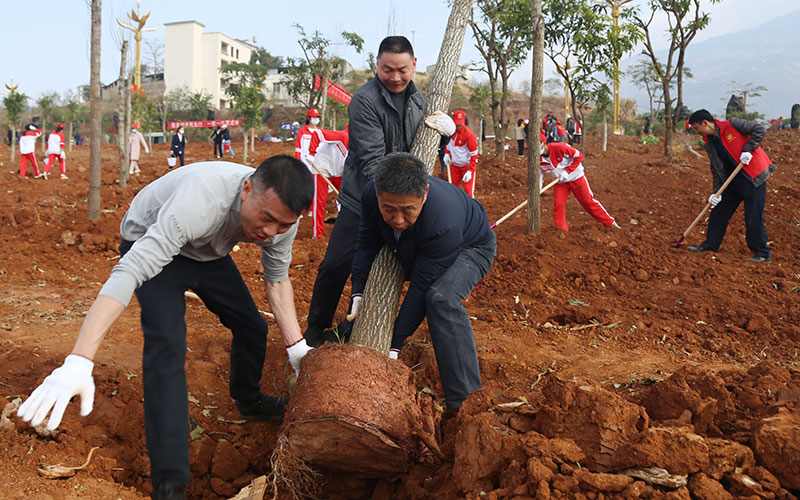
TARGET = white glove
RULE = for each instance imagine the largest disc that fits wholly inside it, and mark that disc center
(745, 158)
(714, 199)
(296, 354)
(351, 316)
(563, 176)
(446, 159)
(72, 378)
(146, 150)
(467, 176)
(394, 353)
(63, 155)
(441, 123)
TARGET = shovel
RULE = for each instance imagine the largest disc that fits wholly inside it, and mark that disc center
(706, 208)
(518, 207)
(326, 179)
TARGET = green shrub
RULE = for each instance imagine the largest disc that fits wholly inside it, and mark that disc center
(650, 139)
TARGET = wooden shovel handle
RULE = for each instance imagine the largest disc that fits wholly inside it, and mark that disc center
(708, 205)
(326, 179)
(518, 207)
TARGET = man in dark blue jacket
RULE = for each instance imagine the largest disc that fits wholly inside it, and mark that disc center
(441, 236)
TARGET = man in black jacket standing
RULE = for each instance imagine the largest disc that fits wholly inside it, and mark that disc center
(442, 238)
(384, 115)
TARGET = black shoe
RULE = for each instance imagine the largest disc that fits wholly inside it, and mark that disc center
(263, 408)
(170, 489)
(697, 249)
(759, 259)
(313, 336)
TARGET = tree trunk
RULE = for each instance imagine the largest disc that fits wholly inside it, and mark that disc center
(324, 104)
(71, 136)
(253, 142)
(128, 120)
(96, 116)
(605, 131)
(44, 135)
(375, 321)
(122, 145)
(13, 143)
(244, 156)
(535, 112)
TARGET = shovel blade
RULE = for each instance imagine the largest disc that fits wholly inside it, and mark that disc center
(678, 243)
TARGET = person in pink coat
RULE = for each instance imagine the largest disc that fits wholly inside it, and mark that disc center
(136, 143)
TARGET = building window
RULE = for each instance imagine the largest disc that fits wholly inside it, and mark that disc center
(224, 48)
(237, 53)
(223, 104)
(276, 88)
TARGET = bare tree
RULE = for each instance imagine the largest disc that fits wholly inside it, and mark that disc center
(122, 134)
(537, 75)
(96, 116)
(375, 321)
(685, 20)
(155, 54)
(502, 36)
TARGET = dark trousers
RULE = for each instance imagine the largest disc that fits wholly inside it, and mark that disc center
(217, 147)
(740, 190)
(219, 284)
(180, 156)
(334, 270)
(520, 147)
(449, 324)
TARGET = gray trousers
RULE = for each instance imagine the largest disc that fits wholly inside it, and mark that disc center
(449, 324)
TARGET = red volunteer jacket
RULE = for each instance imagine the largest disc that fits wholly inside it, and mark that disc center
(734, 142)
(563, 158)
(463, 148)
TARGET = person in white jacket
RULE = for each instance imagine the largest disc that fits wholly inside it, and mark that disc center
(27, 149)
(55, 150)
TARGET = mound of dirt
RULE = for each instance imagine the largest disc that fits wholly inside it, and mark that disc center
(613, 365)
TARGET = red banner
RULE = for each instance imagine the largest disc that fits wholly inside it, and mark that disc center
(334, 91)
(236, 122)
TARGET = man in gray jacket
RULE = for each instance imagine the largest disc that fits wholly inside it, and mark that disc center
(176, 235)
(384, 115)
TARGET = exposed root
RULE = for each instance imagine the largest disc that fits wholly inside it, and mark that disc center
(59, 471)
(290, 474)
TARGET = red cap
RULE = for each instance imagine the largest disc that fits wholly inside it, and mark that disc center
(134, 126)
(459, 117)
(542, 138)
(313, 112)
(60, 125)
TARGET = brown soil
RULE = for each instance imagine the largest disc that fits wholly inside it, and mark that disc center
(617, 350)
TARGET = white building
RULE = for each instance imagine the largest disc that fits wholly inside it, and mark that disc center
(463, 73)
(193, 59)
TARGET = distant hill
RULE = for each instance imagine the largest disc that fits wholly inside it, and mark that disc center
(768, 55)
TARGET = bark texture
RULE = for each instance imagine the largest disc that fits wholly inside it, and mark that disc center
(96, 117)
(534, 224)
(122, 137)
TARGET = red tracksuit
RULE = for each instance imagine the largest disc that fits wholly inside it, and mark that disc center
(27, 150)
(55, 147)
(565, 158)
(328, 153)
(462, 153)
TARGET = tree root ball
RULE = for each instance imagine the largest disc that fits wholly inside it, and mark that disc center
(355, 410)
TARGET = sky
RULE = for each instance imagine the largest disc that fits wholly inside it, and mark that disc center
(47, 50)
